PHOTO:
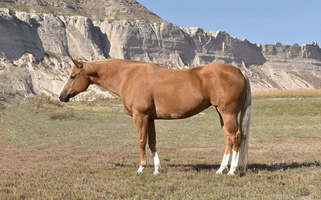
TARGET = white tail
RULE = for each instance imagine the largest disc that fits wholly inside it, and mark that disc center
(245, 119)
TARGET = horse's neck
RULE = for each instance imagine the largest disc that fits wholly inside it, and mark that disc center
(109, 74)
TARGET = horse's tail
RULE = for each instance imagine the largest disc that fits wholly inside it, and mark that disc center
(245, 119)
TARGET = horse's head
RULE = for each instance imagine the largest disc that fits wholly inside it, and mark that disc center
(76, 83)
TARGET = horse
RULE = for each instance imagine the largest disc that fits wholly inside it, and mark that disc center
(150, 92)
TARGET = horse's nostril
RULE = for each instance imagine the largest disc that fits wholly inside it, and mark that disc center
(64, 97)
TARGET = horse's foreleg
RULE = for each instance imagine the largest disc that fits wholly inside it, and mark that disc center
(152, 145)
(141, 122)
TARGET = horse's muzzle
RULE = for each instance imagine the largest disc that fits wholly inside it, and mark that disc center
(64, 97)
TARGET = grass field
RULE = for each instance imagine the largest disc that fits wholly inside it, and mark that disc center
(89, 150)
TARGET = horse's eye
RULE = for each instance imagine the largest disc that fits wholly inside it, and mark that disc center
(72, 77)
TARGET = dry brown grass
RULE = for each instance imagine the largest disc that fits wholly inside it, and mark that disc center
(93, 153)
(288, 93)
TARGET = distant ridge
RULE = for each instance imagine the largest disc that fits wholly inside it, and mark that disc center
(93, 9)
(39, 36)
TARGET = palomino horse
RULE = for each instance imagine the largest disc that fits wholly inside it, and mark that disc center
(150, 92)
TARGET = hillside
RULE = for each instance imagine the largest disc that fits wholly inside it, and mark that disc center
(39, 36)
(93, 9)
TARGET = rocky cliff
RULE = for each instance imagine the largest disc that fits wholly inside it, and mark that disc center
(35, 47)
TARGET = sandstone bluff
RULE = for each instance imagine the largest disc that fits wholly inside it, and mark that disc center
(38, 37)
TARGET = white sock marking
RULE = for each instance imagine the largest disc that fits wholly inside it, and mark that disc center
(224, 164)
(156, 162)
(234, 163)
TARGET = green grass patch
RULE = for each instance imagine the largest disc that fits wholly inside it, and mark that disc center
(89, 150)
(63, 116)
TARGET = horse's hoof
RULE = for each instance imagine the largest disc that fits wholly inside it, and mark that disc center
(232, 171)
(140, 169)
(222, 171)
(231, 174)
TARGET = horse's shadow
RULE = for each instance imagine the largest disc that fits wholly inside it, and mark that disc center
(282, 166)
(252, 167)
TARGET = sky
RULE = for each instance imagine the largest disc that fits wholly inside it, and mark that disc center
(261, 22)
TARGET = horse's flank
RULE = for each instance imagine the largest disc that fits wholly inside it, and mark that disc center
(166, 93)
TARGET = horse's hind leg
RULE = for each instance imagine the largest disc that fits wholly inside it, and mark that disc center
(152, 145)
(232, 142)
(226, 156)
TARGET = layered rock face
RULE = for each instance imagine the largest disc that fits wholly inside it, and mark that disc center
(35, 51)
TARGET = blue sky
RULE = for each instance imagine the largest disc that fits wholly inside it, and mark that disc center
(261, 22)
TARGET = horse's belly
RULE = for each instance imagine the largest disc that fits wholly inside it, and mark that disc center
(179, 110)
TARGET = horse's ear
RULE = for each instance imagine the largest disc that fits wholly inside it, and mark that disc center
(78, 64)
